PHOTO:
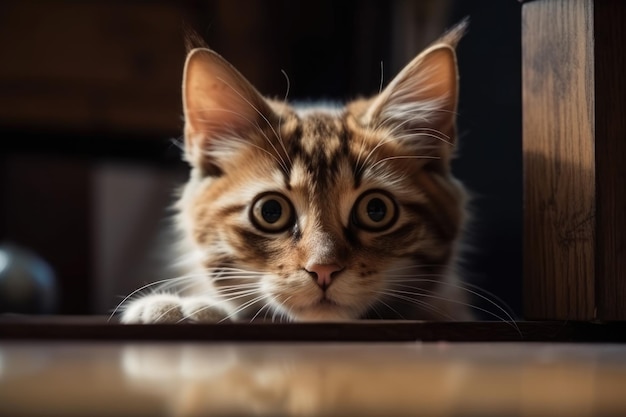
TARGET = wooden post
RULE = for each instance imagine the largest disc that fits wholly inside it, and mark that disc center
(574, 140)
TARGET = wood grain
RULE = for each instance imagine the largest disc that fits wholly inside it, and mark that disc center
(559, 164)
(574, 101)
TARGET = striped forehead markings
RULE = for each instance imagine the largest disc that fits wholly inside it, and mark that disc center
(320, 142)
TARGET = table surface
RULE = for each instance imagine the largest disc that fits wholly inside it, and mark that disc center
(101, 328)
(93, 378)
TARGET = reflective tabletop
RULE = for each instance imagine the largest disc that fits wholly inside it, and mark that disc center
(311, 379)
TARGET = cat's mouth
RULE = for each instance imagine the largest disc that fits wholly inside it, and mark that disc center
(325, 309)
(325, 301)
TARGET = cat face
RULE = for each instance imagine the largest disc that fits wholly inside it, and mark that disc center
(320, 213)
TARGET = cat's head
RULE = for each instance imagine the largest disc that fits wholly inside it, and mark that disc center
(318, 213)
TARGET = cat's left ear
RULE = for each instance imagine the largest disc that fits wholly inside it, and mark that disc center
(421, 101)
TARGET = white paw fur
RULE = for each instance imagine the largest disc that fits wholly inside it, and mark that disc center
(170, 308)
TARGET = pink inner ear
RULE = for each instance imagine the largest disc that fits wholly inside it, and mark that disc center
(217, 98)
(425, 91)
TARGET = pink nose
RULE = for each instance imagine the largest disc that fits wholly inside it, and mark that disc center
(323, 273)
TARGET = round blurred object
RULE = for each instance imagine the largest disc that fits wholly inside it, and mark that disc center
(27, 282)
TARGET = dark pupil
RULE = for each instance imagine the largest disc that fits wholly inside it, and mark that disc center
(271, 211)
(376, 209)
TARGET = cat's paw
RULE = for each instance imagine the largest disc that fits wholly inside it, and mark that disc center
(169, 308)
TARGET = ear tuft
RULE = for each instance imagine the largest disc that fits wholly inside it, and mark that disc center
(192, 39)
(453, 36)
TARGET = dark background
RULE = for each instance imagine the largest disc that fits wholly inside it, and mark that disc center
(90, 108)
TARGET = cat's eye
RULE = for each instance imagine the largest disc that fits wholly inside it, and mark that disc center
(272, 212)
(375, 211)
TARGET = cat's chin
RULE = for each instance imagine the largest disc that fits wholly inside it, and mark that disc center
(323, 312)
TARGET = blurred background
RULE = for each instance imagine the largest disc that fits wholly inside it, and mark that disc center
(90, 108)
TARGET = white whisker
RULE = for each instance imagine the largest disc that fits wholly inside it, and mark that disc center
(418, 266)
(141, 289)
(391, 308)
(423, 294)
(382, 78)
(259, 113)
(234, 137)
(266, 305)
(420, 303)
(244, 306)
(280, 117)
(462, 286)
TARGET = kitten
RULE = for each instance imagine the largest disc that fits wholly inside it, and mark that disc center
(318, 213)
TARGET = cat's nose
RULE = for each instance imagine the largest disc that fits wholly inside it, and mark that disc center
(323, 273)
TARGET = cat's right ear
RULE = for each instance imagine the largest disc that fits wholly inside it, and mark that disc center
(419, 105)
(220, 106)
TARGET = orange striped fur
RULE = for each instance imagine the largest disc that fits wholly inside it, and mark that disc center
(317, 213)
